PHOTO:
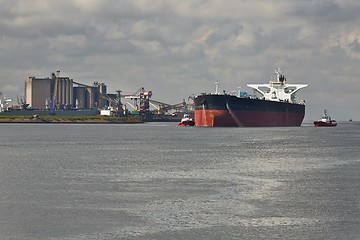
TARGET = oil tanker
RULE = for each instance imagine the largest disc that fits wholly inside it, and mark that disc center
(276, 107)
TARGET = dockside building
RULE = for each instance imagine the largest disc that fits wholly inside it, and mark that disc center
(40, 91)
(37, 91)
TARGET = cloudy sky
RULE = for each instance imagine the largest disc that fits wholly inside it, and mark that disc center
(180, 48)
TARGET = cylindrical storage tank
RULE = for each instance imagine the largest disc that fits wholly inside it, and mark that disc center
(63, 91)
(67, 92)
(79, 94)
(103, 93)
(58, 92)
(90, 97)
(71, 92)
(102, 88)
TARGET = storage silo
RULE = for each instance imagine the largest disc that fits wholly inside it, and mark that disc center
(79, 99)
(102, 88)
(90, 97)
(63, 91)
(67, 92)
(71, 92)
(101, 95)
(58, 92)
(37, 90)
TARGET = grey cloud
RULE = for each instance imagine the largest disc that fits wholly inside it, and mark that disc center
(182, 46)
(327, 11)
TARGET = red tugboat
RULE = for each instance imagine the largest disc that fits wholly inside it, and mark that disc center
(186, 121)
(325, 121)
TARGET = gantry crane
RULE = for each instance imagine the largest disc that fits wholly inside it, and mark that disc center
(141, 100)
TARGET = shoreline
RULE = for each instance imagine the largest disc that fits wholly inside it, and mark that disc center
(71, 119)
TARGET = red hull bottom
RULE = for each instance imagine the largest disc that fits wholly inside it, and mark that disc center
(186, 124)
(324, 124)
(225, 118)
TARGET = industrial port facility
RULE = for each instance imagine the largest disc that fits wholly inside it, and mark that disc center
(59, 95)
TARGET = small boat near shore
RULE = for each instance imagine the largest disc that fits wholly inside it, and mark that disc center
(325, 121)
(186, 121)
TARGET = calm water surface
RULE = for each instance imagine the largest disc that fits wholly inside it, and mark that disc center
(160, 181)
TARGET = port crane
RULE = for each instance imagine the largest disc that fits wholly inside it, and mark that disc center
(142, 102)
(162, 108)
(53, 97)
(141, 96)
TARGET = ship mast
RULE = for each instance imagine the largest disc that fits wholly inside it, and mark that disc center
(217, 87)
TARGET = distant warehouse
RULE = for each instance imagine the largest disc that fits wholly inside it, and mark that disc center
(39, 92)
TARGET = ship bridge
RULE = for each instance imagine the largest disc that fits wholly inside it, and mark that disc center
(278, 90)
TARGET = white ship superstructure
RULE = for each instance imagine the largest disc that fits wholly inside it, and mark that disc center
(278, 90)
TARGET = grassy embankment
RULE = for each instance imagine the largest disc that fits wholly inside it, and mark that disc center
(69, 119)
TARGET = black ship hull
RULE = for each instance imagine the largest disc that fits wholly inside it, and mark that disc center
(221, 110)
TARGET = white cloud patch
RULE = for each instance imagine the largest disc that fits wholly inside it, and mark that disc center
(67, 42)
(347, 41)
(88, 5)
(29, 8)
(150, 47)
(204, 38)
(113, 32)
(245, 39)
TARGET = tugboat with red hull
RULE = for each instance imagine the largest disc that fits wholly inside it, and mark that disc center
(186, 121)
(276, 108)
(325, 121)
